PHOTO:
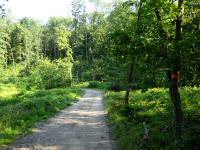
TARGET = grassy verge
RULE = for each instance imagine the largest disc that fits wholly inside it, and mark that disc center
(21, 109)
(147, 123)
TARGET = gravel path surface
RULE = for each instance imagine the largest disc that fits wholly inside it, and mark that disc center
(79, 127)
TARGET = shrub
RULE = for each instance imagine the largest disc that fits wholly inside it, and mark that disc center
(49, 74)
(116, 87)
(98, 85)
(93, 84)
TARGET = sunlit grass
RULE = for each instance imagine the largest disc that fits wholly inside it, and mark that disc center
(21, 109)
(8, 90)
(82, 84)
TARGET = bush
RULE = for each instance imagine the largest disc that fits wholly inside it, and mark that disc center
(116, 87)
(93, 84)
(50, 75)
(98, 85)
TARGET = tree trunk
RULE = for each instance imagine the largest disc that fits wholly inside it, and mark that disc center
(77, 75)
(130, 80)
(28, 59)
(176, 69)
(173, 77)
(175, 95)
(54, 49)
(127, 97)
(20, 55)
(13, 63)
(86, 46)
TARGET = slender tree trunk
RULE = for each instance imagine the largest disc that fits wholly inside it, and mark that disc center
(86, 46)
(130, 80)
(28, 58)
(175, 95)
(6, 60)
(172, 76)
(127, 97)
(77, 75)
(176, 69)
(20, 55)
(54, 49)
(45, 49)
(13, 63)
(131, 73)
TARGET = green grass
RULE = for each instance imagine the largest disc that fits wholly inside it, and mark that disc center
(153, 110)
(21, 109)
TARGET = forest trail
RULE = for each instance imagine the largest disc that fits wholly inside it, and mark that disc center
(79, 127)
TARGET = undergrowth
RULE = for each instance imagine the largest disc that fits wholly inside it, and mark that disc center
(147, 122)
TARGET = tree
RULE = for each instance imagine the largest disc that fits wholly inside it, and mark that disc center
(4, 41)
(35, 30)
(56, 37)
(79, 28)
(62, 40)
(20, 44)
(124, 37)
(175, 95)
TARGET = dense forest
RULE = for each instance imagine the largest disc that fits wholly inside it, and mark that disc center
(145, 55)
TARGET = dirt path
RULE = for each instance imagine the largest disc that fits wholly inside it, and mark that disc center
(79, 127)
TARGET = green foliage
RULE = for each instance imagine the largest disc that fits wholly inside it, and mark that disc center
(103, 49)
(116, 87)
(153, 111)
(98, 85)
(62, 37)
(56, 38)
(20, 110)
(4, 41)
(35, 45)
(50, 75)
(25, 42)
